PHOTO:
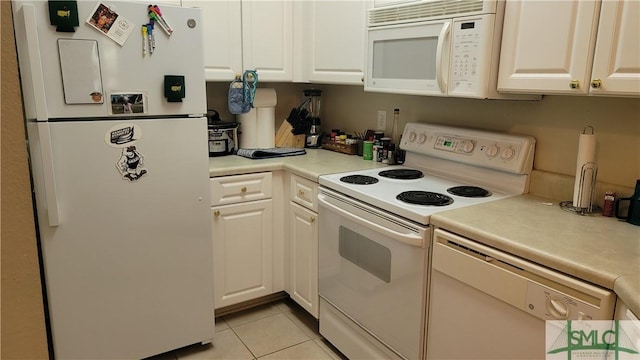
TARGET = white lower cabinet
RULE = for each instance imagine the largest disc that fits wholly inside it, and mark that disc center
(242, 238)
(303, 243)
(304, 258)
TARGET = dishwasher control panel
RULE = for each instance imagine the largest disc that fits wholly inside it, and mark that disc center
(549, 304)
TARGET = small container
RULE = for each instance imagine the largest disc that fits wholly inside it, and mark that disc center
(334, 134)
(391, 154)
(376, 152)
(609, 199)
(343, 137)
(378, 135)
(367, 150)
(384, 143)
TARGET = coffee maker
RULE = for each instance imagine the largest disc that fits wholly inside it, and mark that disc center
(312, 101)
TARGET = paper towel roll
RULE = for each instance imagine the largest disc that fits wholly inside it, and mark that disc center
(265, 98)
(266, 127)
(257, 127)
(585, 170)
(248, 137)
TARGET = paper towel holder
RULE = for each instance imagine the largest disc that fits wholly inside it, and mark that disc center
(589, 173)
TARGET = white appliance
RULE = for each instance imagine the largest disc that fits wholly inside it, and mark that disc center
(436, 47)
(120, 176)
(375, 232)
(496, 304)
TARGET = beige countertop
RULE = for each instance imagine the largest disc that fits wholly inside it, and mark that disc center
(315, 163)
(597, 249)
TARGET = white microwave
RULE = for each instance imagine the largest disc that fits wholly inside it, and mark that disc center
(436, 47)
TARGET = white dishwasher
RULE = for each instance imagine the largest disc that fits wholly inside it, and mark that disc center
(487, 304)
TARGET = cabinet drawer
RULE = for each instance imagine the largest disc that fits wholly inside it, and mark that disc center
(240, 188)
(304, 192)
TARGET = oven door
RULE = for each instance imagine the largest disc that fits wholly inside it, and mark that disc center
(409, 58)
(372, 270)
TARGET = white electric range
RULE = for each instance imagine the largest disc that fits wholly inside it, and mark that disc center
(374, 232)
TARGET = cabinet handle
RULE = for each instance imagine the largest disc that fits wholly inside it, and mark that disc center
(243, 189)
(312, 219)
(216, 213)
(575, 84)
(596, 84)
(300, 192)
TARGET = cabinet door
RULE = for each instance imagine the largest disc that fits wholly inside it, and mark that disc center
(616, 63)
(304, 258)
(547, 46)
(222, 38)
(242, 251)
(335, 41)
(267, 42)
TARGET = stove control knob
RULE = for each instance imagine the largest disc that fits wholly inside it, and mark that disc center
(492, 150)
(507, 153)
(412, 136)
(468, 147)
(422, 138)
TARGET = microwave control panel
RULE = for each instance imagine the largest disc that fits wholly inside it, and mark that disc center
(470, 47)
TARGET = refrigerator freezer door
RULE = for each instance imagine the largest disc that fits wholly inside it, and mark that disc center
(124, 68)
(129, 268)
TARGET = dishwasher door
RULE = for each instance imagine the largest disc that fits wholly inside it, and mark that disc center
(486, 304)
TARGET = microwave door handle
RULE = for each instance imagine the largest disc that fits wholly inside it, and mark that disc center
(440, 68)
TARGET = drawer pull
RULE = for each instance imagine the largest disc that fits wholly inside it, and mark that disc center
(312, 219)
(243, 189)
(300, 192)
(216, 213)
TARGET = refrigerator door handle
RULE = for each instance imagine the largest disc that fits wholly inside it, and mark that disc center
(46, 154)
(34, 74)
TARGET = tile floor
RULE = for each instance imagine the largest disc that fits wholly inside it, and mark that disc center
(278, 330)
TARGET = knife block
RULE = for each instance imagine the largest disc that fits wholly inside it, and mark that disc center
(285, 139)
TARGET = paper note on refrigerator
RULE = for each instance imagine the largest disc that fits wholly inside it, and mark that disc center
(110, 23)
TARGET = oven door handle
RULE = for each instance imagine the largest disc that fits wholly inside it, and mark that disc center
(410, 239)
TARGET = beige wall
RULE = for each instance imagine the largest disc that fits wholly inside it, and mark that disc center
(555, 121)
(23, 329)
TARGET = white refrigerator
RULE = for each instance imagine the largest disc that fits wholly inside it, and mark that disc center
(119, 159)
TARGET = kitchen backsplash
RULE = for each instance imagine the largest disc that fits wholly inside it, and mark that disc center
(555, 121)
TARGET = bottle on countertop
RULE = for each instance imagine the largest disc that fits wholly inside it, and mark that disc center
(609, 199)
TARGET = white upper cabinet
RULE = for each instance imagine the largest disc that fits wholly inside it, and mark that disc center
(549, 47)
(247, 35)
(267, 38)
(222, 37)
(333, 41)
(616, 62)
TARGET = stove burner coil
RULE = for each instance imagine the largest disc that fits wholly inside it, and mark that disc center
(424, 198)
(469, 191)
(359, 179)
(402, 174)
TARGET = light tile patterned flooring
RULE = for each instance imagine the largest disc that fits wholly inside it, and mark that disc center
(278, 330)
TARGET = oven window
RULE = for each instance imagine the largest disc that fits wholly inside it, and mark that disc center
(365, 253)
(405, 58)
